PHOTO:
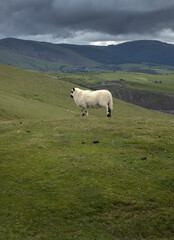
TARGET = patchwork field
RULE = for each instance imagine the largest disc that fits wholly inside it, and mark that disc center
(149, 82)
(64, 176)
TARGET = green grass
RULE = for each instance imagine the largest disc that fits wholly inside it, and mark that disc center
(141, 81)
(22, 61)
(146, 68)
(34, 95)
(57, 184)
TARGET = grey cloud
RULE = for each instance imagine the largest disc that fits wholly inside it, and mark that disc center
(65, 18)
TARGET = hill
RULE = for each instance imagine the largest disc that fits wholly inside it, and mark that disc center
(30, 94)
(145, 51)
(40, 56)
(71, 58)
(56, 183)
(147, 90)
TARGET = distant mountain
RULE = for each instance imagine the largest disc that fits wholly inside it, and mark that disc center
(66, 57)
(40, 55)
(145, 51)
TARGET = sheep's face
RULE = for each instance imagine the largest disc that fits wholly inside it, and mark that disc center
(72, 92)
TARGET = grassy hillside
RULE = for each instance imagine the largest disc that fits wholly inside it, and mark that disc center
(14, 59)
(138, 56)
(41, 56)
(57, 184)
(30, 94)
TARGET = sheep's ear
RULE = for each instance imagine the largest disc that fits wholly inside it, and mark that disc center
(73, 89)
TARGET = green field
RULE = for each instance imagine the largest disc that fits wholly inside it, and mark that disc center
(56, 183)
(149, 82)
(148, 68)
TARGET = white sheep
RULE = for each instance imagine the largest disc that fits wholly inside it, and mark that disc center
(92, 99)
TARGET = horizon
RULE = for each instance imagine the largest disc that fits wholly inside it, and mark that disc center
(97, 43)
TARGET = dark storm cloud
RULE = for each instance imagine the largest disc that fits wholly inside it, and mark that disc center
(64, 18)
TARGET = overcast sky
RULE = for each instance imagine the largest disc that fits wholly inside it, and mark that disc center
(98, 22)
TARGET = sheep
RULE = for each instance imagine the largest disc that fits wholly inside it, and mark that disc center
(92, 99)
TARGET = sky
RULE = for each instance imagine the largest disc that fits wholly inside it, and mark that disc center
(87, 22)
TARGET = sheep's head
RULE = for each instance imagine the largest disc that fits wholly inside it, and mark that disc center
(72, 92)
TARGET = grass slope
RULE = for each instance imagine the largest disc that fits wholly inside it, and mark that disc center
(29, 94)
(41, 55)
(18, 60)
(57, 184)
(138, 56)
(34, 95)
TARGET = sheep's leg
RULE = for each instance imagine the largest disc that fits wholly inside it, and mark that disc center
(82, 109)
(108, 111)
(86, 111)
